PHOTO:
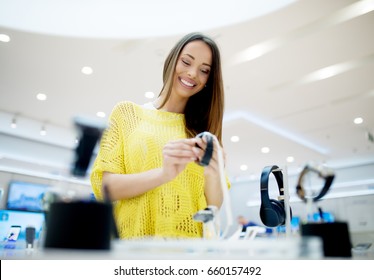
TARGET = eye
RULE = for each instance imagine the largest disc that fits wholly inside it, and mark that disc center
(205, 71)
(185, 62)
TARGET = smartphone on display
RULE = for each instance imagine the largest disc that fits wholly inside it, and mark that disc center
(13, 233)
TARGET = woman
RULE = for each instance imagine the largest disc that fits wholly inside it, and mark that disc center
(147, 157)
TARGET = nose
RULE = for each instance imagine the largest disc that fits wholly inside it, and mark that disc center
(192, 72)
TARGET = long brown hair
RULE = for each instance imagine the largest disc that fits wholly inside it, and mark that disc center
(204, 110)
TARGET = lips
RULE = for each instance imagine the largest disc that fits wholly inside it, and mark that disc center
(187, 83)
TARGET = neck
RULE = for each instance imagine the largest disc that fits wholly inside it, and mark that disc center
(172, 105)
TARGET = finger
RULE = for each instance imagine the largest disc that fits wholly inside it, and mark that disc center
(181, 144)
(180, 153)
(200, 143)
(178, 160)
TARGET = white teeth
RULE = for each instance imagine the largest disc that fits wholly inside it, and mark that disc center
(187, 83)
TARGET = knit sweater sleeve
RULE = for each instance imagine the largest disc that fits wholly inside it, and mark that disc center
(110, 155)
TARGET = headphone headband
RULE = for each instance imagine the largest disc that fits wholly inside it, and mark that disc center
(277, 172)
(323, 172)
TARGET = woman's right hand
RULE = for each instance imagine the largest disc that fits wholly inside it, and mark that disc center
(177, 154)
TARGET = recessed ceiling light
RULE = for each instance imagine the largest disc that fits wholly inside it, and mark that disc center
(41, 96)
(4, 38)
(87, 70)
(243, 167)
(149, 94)
(265, 150)
(290, 159)
(235, 138)
(101, 114)
(358, 120)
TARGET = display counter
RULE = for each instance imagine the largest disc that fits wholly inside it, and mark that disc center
(261, 248)
(269, 248)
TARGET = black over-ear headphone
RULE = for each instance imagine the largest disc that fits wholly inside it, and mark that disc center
(323, 172)
(272, 212)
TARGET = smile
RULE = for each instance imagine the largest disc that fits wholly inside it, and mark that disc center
(187, 83)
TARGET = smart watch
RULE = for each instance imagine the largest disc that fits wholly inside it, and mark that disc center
(323, 172)
(208, 150)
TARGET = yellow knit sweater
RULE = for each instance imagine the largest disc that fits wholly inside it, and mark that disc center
(132, 144)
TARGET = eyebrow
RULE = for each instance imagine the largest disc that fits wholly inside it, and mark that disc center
(194, 59)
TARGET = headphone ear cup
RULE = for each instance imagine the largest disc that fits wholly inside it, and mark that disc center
(279, 208)
(274, 216)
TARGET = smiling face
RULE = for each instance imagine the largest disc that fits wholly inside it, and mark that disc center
(192, 69)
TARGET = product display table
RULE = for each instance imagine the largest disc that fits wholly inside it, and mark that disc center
(262, 248)
(281, 248)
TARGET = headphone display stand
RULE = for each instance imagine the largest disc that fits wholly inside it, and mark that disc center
(287, 202)
(308, 199)
(309, 210)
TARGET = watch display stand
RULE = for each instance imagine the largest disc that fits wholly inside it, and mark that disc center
(335, 237)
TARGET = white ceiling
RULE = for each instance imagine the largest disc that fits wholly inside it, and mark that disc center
(273, 100)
